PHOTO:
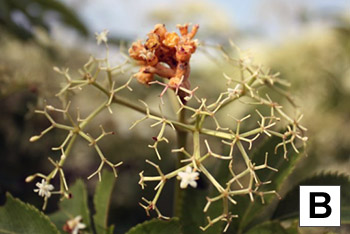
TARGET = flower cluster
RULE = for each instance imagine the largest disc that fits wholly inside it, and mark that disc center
(167, 55)
(197, 118)
(75, 124)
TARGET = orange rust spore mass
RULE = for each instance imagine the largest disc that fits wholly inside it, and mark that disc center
(166, 54)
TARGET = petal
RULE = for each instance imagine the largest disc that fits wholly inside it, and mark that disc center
(81, 226)
(188, 169)
(183, 184)
(195, 174)
(182, 174)
(193, 183)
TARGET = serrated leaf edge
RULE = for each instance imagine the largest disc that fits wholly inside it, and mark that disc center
(30, 207)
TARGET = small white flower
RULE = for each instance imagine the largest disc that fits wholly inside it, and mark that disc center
(102, 36)
(74, 225)
(188, 177)
(44, 188)
(235, 91)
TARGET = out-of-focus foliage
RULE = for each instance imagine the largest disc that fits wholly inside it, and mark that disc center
(19, 17)
(18, 217)
(318, 66)
(289, 206)
(26, 76)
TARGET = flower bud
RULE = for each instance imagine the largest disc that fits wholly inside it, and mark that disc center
(49, 107)
(34, 138)
(30, 178)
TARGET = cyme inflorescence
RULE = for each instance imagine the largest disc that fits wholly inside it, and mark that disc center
(167, 55)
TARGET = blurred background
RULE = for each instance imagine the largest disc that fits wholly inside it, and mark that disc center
(307, 41)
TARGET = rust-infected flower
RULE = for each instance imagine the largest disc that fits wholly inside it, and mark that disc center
(144, 77)
(167, 55)
(152, 42)
(148, 57)
(183, 29)
(135, 50)
(174, 82)
(171, 39)
(160, 30)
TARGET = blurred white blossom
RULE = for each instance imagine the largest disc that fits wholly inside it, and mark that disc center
(102, 37)
(188, 177)
(74, 225)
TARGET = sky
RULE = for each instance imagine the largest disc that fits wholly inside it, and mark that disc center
(130, 18)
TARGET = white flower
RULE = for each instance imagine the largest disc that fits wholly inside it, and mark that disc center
(74, 225)
(102, 37)
(188, 177)
(44, 188)
(235, 91)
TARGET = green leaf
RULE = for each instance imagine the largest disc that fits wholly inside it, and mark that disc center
(253, 213)
(288, 207)
(156, 226)
(192, 203)
(70, 208)
(192, 215)
(102, 199)
(268, 228)
(18, 217)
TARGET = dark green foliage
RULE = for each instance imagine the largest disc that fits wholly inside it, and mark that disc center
(156, 226)
(267, 228)
(288, 207)
(78, 205)
(102, 200)
(19, 217)
(70, 208)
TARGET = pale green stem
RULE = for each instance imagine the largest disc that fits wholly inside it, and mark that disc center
(181, 142)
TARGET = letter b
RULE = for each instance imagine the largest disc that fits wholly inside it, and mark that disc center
(314, 204)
